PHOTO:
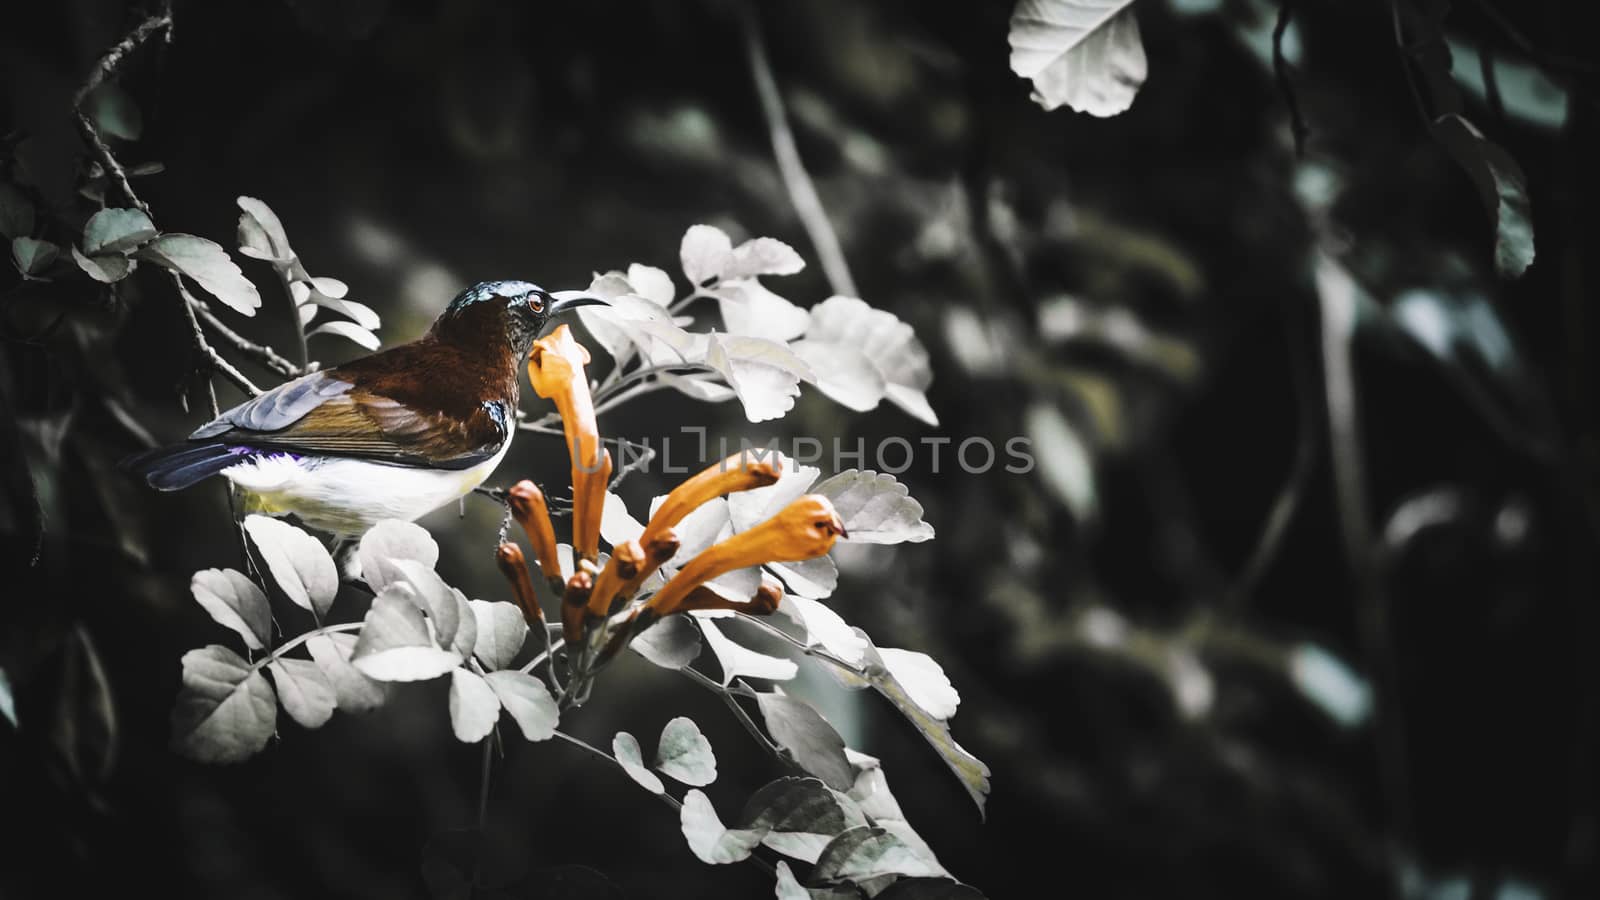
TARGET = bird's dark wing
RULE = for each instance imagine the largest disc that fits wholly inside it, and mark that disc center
(321, 414)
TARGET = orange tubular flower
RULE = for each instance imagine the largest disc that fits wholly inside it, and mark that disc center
(626, 558)
(529, 509)
(804, 529)
(515, 568)
(555, 369)
(738, 472)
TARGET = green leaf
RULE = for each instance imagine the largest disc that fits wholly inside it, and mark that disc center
(225, 711)
(876, 508)
(354, 692)
(671, 643)
(625, 747)
(16, 212)
(208, 264)
(116, 230)
(1501, 186)
(529, 703)
(474, 708)
(32, 255)
(305, 692)
(390, 540)
(395, 644)
(299, 564)
(1085, 54)
(708, 839)
(104, 269)
(113, 112)
(814, 744)
(867, 852)
(800, 815)
(235, 602)
(684, 753)
(501, 632)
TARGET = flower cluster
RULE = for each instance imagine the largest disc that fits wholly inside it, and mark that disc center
(604, 603)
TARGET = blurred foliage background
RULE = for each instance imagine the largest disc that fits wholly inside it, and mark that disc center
(1183, 685)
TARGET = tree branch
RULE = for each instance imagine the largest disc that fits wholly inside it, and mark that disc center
(1280, 71)
(807, 205)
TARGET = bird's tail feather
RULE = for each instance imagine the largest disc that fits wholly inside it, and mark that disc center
(181, 465)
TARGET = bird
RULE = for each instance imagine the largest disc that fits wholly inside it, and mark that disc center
(393, 435)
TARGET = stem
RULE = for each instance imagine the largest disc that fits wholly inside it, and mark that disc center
(1280, 71)
(296, 641)
(738, 711)
(483, 781)
(267, 357)
(802, 193)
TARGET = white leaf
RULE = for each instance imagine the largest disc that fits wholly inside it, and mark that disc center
(738, 660)
(762, 256)
(208, 264)
(528, 701)
(395, 644)
(1085, 54)
(705, 252)
(813, 744)
(625, 747)
(867, 852)
(801, 815)
(298, 562)
(116, 231)
(617, 525)
(788, 887)
(825, 627)
(815, 578)
(707, 837)
(261, 230)
(750, 508)
(890, 344)
(362, 314)
(764, 374)
(465, 639)
(226, 711)
(474, 708)
(235, 602)
(671, 643)
(304, 691)
(844, 373)
(389, 540)
(875, 508)
(349, 330)
(748, 308)
(354, 692)
(432, 595)
(651, 283)
(32, 255)
(923, 679)
(332, 287)
(501, 632)
(1064, 463)
(684, 753)
(104, 269)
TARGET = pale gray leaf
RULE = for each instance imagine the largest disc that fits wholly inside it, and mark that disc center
(651, 283)
(705, 252)
(867, 852)
(762, 256)
(474, 708)
(1085, 54)
(749, 308)
(299, 564)
(528, 701)
(304, 691)
(671, 643)
(116, 230)
(800, 815)
(824, 627)
(813, 744)
(226, 711)
(890, 344)
(395, 644)
(104, 269)
(353, 691)
(708, 839)
(261, 231)
(113, 112)
(389, 540)
(764, 374)
(684, 754)
(875, 507)
(235, 602)
(738, 660)
(350, 331)
(844, 373)
(1064, 462)
(923, 679)
(501, 632)
(433, 596)
(814, 578)
(208, 264)
(625, 747)
(33, 256)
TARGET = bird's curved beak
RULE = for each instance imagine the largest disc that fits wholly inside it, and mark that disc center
(565, 300)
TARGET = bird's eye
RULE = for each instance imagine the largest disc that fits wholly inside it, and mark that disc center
(536, 303)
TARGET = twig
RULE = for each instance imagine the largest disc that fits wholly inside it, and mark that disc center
(1280, 71)
(483, 781)
(296, 641)
(1337, 300)
(738, 711)
(807, 205)
(1491, 84)
(267, 357)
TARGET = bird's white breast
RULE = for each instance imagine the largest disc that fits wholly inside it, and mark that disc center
(348, 496)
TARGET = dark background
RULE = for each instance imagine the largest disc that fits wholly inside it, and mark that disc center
(412, 148)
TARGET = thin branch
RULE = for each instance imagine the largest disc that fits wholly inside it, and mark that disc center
(738, 711)
(296, 641)
(1280, 71)
(1570, 65)
(267, 357)
(483, 782)
(807, 205)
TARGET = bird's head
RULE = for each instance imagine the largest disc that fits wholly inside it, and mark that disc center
(513, 311)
